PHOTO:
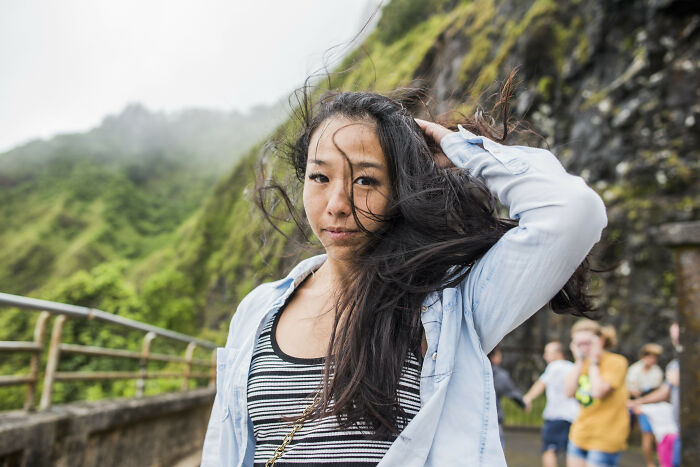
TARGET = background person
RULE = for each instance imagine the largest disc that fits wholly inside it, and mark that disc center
(644, 376)
(597, 380)
(669, 391)
(659, 416)
(504, 387)
(560, 411)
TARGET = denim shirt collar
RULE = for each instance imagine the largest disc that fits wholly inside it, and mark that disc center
(304, 268)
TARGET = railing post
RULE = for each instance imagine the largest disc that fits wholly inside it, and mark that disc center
(35, 360)
(188, 365)
(143, 363)
(52, 362)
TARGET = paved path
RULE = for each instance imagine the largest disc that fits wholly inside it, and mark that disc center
(523, 450)
(192, 460)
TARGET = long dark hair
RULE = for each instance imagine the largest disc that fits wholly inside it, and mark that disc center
(439, 222)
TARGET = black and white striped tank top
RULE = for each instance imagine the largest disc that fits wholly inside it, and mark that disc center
(280, 385)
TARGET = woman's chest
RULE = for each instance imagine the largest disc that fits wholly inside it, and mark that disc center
(307, 335)
(280, 387)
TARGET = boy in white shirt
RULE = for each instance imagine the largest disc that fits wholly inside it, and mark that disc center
(560, 411)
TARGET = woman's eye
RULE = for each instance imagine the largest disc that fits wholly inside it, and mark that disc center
(320, 178)
(366, 181)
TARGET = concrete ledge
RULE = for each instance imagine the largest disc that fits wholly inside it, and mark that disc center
(150, 431)
(679, 234)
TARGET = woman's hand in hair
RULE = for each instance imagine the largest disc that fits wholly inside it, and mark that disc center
(434, 133)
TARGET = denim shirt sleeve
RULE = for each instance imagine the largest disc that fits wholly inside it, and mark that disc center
(560, 219)
(212, 438)
(216, 442)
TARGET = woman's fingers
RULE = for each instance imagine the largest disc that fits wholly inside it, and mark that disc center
(433, 130)
(434, 134)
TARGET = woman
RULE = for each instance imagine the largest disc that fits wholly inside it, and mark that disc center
(375, 352)
(599, 434)
(643, 377)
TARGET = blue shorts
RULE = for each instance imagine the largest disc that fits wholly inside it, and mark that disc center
(555, 435)
(598, 458)
(644, 423)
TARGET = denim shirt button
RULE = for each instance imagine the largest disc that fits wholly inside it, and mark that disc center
(434, 355)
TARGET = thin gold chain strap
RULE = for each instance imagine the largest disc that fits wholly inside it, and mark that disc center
(289, 436)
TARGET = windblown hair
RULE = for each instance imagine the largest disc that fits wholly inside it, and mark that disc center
(439, 222)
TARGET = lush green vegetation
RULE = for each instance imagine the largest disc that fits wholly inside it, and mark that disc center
(515, 416)
(84, 216)
(400, 16)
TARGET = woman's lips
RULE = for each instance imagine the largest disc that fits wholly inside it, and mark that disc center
(340, 234)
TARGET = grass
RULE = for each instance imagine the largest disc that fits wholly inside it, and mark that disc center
(515, 416)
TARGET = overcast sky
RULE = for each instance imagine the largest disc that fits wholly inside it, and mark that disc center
(66, 64)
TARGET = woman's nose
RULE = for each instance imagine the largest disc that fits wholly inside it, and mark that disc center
(338, 201)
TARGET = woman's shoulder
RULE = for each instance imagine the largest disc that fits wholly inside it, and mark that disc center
(266, 293)
(261, 293)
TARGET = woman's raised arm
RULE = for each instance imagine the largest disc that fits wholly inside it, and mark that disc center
(560, 219)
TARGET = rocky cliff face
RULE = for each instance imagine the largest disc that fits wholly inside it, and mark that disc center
(613, 88)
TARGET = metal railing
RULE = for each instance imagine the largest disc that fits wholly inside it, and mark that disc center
(57, 348)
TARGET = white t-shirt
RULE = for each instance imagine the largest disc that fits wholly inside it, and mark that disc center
(660, 416)
(644, 381)
(558, 407)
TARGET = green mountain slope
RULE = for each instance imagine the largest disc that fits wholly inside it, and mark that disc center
(117, 192)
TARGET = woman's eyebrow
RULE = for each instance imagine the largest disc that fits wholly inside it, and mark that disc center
(355, 165)
(366, 164)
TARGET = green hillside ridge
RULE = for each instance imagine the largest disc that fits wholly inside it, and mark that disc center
(79, 207)
(116, 192)
(611, 98)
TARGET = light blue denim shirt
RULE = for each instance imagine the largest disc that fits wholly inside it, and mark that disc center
(560, 219)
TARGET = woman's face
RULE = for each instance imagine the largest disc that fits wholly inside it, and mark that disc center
(583, 340)
(328, 181)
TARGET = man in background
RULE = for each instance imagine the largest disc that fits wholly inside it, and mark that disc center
(560, 411)
(504, 387)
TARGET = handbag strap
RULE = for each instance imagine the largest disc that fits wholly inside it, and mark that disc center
(289, 436)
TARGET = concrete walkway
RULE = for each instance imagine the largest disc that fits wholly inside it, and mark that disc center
(193, 460)
(523, 450)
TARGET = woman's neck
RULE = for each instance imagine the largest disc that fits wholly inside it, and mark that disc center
(330, 276)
